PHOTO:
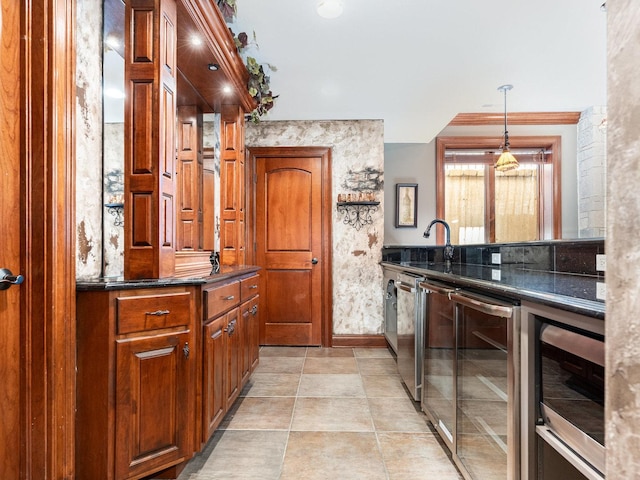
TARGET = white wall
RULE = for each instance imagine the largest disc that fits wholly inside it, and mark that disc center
(416, 163)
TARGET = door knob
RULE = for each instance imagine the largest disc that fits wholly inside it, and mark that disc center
(7, 279)
(314, 260)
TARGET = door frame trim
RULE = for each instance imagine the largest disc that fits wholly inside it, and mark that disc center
(252, 153)
(47, 162)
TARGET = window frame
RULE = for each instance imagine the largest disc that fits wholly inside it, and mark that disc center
(550, 143)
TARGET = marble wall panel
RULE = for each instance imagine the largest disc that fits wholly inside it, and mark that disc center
(592, 157)
(113, 158)
(357, 150)
(88, 134)
(622, 409)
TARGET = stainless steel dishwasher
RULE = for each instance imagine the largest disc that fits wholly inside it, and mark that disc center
(410, 332)
(390, 308)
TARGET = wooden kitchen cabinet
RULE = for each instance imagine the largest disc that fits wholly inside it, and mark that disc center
(230, 346)
(221, 353)
(249, 312)
(137, 361)
(232, 181)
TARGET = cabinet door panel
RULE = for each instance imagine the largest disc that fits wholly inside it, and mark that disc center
(215, 356)
(152, 410)
(233, 356)
(254, 333)
(245, 346)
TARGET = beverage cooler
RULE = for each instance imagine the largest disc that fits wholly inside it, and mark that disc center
(471, 378)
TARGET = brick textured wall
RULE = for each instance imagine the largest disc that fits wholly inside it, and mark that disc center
(592, 159)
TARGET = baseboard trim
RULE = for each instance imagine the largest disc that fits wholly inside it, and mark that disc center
(373, 341)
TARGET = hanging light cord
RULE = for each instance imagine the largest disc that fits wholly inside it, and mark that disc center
(504, 88)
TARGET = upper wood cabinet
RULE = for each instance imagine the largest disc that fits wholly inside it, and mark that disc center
(232, 178)
(189, 233)
(163, 212)
(149, 125)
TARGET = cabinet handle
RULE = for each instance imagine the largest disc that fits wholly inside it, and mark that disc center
(158, 313)
(231, 327)
(230, 297)
(186, 350)
(253, 286)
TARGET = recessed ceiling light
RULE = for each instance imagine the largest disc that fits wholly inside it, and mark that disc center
(196, 40)
(213, 67)
(329, 8)
(226, 89)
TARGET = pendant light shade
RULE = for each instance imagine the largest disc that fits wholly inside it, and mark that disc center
(506, 161)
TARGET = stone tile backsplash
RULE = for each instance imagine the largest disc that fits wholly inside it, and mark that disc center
(566, 256)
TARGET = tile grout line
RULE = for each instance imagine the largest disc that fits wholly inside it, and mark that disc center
(293, 410)
(373, 423)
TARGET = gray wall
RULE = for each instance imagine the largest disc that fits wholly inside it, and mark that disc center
(416, 163)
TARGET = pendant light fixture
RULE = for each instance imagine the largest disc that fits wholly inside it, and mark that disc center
(506, 161)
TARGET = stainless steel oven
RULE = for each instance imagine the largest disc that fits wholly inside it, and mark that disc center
(570, 391)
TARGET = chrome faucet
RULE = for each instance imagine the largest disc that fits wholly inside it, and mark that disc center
(448, 248)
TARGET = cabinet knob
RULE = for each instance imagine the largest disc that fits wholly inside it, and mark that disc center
(254, 310)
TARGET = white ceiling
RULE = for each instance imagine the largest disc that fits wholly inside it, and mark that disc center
(417, 63)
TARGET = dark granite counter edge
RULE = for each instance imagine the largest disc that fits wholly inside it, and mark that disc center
(122, 284)
(576, 305)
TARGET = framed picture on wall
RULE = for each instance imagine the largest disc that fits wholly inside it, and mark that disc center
(406, 205)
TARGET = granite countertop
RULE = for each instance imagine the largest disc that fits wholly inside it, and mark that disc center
(566, 291)
(119, 283)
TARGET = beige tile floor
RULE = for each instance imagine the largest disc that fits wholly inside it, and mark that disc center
(312, 413)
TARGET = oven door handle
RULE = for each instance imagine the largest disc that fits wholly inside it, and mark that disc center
(406, 287)
(488, 308)
(580, 345)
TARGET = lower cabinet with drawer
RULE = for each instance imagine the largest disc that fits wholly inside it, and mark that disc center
(136, 381)
(230, 346)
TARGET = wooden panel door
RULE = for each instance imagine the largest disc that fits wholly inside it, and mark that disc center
(189, 233)
(214, 365)
(254, 333)
(153, 412)
(232, 381)
(37, 224)
(232, 190)
(149, 126)
(10, 229)
(291, 244)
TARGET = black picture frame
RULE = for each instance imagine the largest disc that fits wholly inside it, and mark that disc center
(406, 205)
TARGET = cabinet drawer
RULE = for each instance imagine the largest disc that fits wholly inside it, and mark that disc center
(249, 287)
(151, 312)
(220, 299)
